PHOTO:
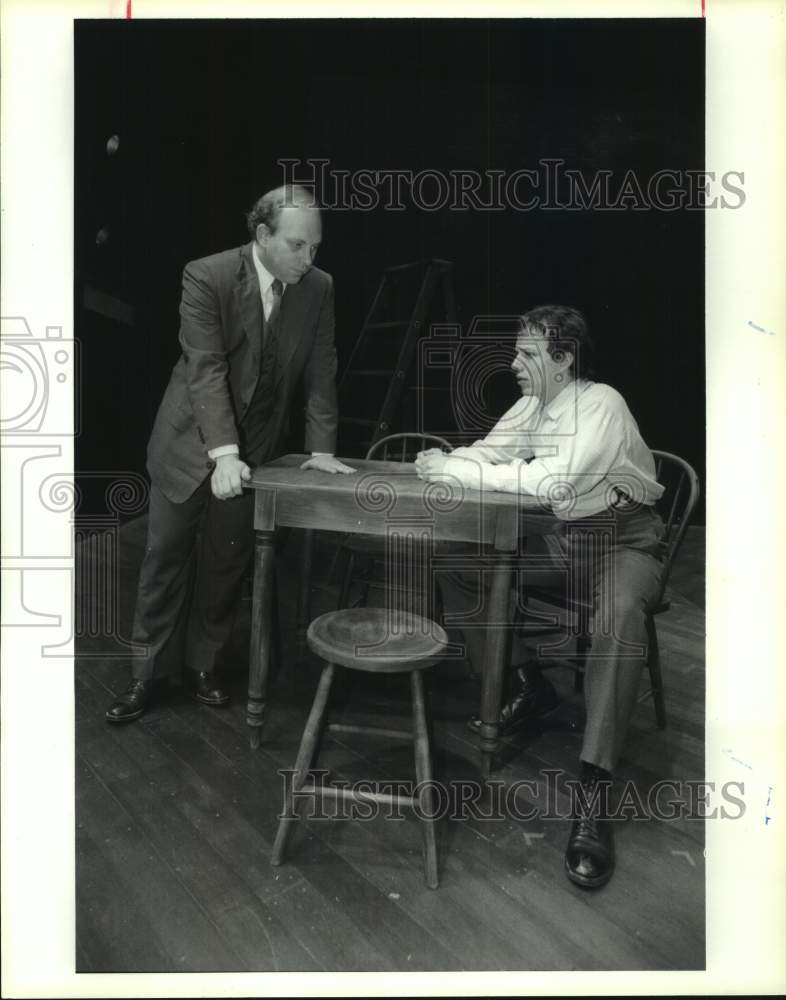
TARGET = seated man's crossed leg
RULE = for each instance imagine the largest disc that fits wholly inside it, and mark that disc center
(613, 562)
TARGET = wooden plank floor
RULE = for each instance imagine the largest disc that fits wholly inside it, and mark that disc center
(176, 819)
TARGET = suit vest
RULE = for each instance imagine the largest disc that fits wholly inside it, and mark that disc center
(256, 444)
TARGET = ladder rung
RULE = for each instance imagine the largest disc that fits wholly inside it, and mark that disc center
(341, 727)
(351, 795)
(404, 267)
(386, 325)
(393, 588)
(419, 263)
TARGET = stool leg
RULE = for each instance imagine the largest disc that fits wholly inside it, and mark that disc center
(305, 759)
(423, 774)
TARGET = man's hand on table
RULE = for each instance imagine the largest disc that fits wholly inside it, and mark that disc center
(327, 463)
(228, 477)
(430, 463)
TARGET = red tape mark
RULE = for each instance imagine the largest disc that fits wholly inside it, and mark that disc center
(703, 7)
(128, 7)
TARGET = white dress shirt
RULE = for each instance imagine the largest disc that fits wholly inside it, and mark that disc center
(265, 283)
(580, 454)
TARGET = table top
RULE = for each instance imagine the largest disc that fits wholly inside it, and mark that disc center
(388, 496)
(372, 476)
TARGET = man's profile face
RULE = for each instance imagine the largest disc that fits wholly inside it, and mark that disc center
(535, 371)
(289, 252)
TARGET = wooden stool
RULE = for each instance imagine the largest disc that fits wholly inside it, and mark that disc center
(376, 640)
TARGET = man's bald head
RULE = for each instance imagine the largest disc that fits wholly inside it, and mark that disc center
(267, 209)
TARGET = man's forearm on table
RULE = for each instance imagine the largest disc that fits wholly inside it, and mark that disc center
(508, 477)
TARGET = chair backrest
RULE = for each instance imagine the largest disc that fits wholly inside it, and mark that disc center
(681, 493)
(404, 447)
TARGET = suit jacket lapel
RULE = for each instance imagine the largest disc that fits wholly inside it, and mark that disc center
(249, 305)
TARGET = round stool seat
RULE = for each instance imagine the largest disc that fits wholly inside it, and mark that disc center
(378, 640)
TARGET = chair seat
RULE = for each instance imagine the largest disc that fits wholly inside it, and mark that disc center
(559, 599)
(377, 640)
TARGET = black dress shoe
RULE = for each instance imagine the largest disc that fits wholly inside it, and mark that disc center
(589, 858)
(206, 688)
(131, 703)
(534, 701)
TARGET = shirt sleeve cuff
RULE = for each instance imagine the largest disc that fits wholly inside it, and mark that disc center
(476, 475)
(324, 454)
(224, 449)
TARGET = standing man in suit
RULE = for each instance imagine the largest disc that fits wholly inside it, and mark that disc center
(253, 321)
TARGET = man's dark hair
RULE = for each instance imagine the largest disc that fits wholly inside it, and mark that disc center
(565, 329)
(267, 208)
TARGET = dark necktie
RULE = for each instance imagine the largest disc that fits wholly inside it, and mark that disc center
(258, 443)
(271, 323)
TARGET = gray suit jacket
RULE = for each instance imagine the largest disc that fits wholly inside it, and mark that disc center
(213, 381)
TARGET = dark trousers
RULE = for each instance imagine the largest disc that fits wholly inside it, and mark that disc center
(615, 561)
(196, 556)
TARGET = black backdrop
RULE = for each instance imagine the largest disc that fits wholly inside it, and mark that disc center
(204, 109)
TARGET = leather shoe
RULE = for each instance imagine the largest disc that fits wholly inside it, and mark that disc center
(589, 858)
(534, 700)
(206, 688)
(131, 703)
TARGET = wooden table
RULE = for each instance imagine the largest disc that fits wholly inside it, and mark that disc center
(379, 498)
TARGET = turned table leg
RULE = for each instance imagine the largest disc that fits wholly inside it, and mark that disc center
(261, 633)
(497, 656)
(304, 591)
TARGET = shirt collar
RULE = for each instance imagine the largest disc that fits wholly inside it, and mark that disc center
(265, 277)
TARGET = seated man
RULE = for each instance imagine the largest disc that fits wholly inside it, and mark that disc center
(573, 443)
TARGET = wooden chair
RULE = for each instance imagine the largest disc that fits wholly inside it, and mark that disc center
(374, 640)
(401, 447)
(681, 493)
